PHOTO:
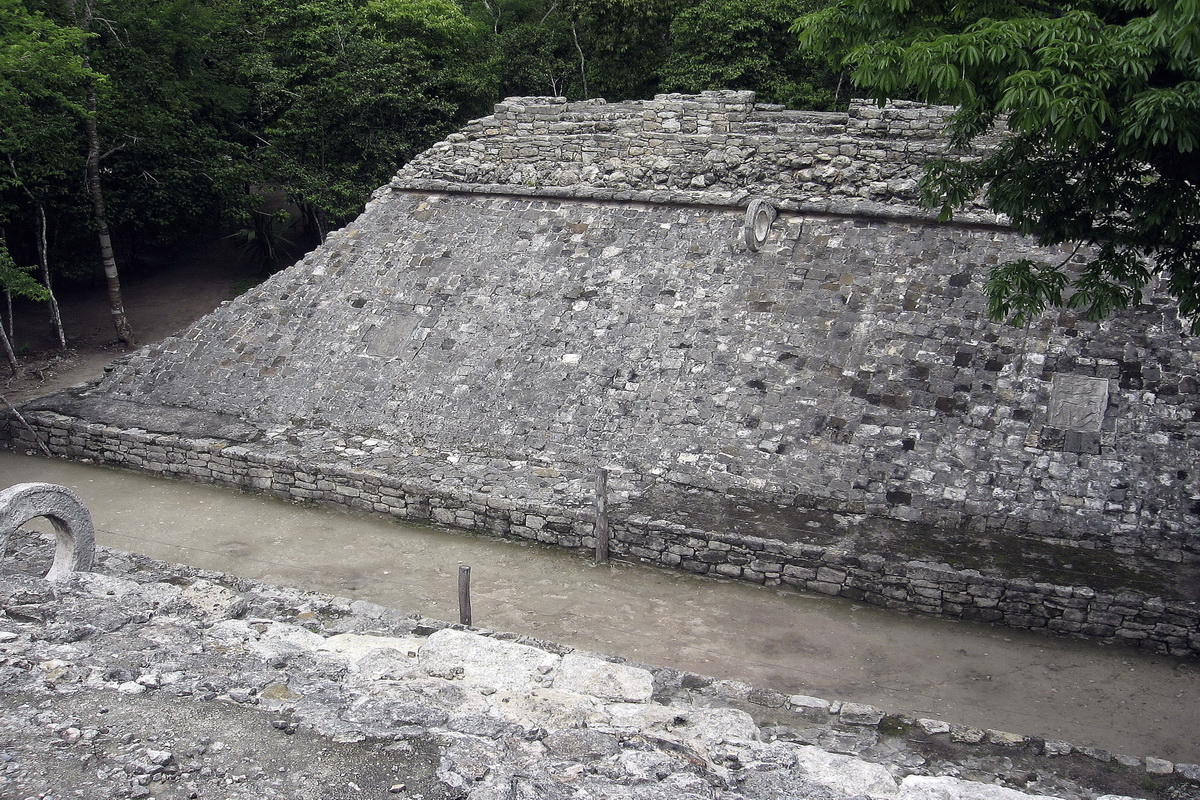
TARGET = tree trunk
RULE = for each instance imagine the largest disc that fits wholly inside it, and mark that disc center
(582, 60)
(9, 355)
(56, 323)
(112, 278)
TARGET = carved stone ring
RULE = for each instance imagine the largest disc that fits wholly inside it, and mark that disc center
(75, 536)
(759, 216)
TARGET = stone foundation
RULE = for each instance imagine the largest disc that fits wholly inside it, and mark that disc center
(546, 505)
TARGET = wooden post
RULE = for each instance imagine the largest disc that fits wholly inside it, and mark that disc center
(601, 528)
(464, 595)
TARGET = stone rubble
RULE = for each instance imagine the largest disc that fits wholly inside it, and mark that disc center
(152, 680)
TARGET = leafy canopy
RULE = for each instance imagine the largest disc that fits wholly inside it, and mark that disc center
(1102, 98)
(345, 90)
(745, 44)
(16, 280)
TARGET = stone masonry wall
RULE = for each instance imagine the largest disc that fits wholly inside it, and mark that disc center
(710, 296)
(719, 146)
(848, 365)
(551, 507)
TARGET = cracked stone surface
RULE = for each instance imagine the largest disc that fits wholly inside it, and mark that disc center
(154, 680)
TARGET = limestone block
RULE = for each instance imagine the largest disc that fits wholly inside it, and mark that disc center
(232, 631)
(111, 586)
(813, 709)
(642, 717)
(1159, 766)
(214, 601)
(618, 683)
(353, 647)
(707, 727)
(860, 714)
(582, 745)
(548, 708)
(1189, 771)
(844, 773)
(301, 638)
(482, 660)
(922, 787)
(934, 726)
(1077, 402)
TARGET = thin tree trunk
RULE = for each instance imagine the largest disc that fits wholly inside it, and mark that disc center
(582, 60)
(9, 355)
(13, 409)
(56, 322)
(111, 277)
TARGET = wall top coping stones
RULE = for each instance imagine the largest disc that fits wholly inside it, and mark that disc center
(715, 148)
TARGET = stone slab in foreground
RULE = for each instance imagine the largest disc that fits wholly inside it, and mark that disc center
(152, 680)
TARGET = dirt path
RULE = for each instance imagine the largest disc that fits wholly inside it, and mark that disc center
(158, 304)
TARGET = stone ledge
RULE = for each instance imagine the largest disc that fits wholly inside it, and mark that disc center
(816, 207)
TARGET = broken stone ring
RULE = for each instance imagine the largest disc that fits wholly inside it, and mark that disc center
(75, 536)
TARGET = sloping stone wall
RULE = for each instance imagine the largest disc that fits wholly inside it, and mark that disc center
(564, 287)
(719, 146)
(847, 366)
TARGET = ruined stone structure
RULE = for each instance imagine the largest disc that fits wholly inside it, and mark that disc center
(745, 315)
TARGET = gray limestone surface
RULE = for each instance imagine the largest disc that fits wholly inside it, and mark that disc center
(801, 645)
(151, 680)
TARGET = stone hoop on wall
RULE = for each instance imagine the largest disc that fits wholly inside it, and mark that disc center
(75, 536)
(760, 215)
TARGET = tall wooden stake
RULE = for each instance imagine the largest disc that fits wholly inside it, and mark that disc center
(602, 532)
(464, 595)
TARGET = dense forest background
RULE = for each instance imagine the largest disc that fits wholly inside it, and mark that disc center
(128, 126)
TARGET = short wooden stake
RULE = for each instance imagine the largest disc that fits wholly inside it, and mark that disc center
(601, 528)
(464, 595)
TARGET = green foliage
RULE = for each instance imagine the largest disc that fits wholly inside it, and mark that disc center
(205, 107)
(169, 114)
(624, 43)
(42, 80)
(745, 44)
(40, 64)
(18, 280)
(1103, 101)
(347, 90)
(530, 49)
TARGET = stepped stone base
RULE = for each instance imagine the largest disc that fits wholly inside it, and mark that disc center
(875, 561)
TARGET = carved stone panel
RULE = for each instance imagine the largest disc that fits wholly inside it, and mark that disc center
(1077, 402)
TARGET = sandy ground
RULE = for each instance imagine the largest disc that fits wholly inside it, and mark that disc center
(157, 305)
